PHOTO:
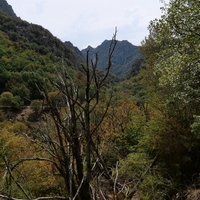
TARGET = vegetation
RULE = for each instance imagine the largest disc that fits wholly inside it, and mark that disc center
(29, 55)
(82, 137)
(126, 55)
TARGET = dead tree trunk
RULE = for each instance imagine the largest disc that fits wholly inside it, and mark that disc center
(71, 139)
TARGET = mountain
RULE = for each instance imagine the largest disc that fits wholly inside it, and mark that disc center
(6, 8)
(125, 56)
(77, 53)
(30, 54)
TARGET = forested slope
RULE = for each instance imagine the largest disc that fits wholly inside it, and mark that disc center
(30, 53)
(91, 139)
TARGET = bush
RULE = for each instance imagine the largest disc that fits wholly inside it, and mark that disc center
(10, 102)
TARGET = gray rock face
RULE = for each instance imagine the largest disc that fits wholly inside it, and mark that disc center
(6, 8)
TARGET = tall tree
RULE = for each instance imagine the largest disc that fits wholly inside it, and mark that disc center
(70, 132)
(76, 128)
(172, 58)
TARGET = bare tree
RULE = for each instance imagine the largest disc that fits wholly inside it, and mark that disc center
(71, 139)
(74, 147)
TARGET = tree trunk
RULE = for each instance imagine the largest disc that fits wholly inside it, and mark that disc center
(85, 191)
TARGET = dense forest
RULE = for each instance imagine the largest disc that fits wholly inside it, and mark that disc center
(71, 130)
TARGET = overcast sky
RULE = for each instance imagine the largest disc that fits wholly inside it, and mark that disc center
(90, 22)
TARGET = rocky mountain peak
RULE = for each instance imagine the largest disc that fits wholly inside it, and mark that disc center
(6, 8)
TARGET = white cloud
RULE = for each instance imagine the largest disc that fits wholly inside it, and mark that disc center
(85, 22)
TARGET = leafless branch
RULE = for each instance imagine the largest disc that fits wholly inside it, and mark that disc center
(39, 198)
(13, 178)
(78, 190)
(116, 177)
(30, 159)
(144, 174)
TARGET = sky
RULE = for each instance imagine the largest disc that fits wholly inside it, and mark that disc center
(90, 22)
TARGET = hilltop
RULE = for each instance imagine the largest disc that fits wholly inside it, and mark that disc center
(125, 56)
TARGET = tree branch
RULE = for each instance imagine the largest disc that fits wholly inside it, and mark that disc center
(13, 178)
(30, 159)
(39, 198)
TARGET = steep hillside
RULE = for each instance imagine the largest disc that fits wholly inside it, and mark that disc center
(125, 56)
(29, 54)
(6, 8)
(44, 42)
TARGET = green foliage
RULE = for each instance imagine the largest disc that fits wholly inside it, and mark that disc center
(155, 114)
(196, 126)
(171, 80)
(133, 166)
(17, 102)
(155, 187)
(29, 56)
(2, 116)
(36, 106)
(36, 177)
(9, 101)
(178, 63)
(6, 99)
(147, 181)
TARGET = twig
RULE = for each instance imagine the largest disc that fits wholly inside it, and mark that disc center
(39, 198)
(116, 177)
(78, 189)
(142, 177)
(13, 178)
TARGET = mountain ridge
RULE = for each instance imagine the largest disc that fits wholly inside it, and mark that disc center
(125, 56)
(6, 8)
(30, 54)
